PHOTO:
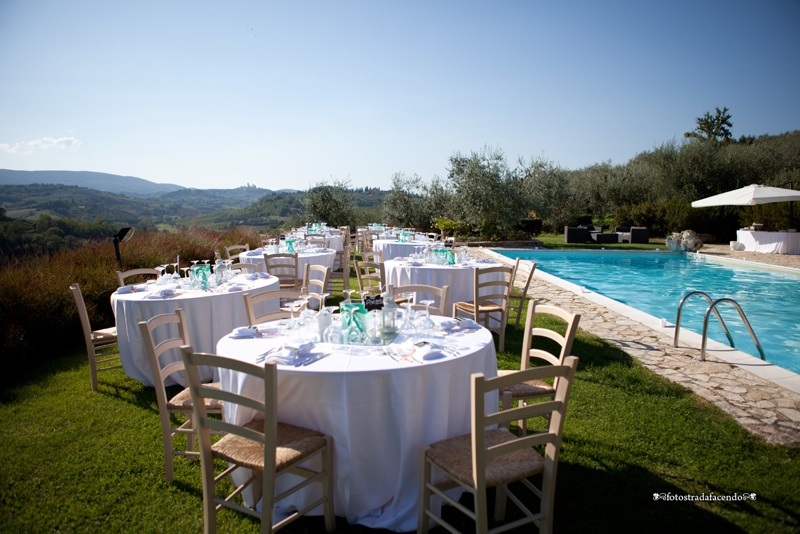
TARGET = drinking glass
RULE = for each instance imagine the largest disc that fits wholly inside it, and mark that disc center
(427, 323)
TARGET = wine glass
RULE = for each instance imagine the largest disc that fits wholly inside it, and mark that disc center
(175, 273)
(408, 314)
(427, 323)
(347, 293)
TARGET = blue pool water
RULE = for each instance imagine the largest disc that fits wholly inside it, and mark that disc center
(656, 281)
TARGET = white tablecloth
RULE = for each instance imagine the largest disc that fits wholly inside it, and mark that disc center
(460, 278)
(256, 257)
(771, 242)
(380, 413)
(210, 316)
(391, 248)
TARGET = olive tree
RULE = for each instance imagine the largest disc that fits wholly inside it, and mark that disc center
(330, 203)
(486, 193)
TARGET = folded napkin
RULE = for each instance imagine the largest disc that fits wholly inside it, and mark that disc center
(289, 355)
(163, 294)
(484, 260)
(414, 264)
(262, 274)
(256, 252)
(235, 287)
(468, 324)
(429, 353)
(124, 290)
(245, 332)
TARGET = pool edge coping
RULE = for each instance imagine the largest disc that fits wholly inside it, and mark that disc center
(763, 369)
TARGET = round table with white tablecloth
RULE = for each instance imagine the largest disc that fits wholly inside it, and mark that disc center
(323, 257)
(460, 277)
(210, 315)
(392, 248)
(380, 410)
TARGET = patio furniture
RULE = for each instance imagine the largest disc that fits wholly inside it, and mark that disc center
(494, 457)
(576, 234)
(603, 238)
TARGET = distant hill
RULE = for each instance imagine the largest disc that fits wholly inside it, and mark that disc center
(100, 181)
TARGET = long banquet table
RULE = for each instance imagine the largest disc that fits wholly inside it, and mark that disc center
(379, 410)
(769, 242)
(210, 315)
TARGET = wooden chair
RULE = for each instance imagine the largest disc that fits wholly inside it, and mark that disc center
(101, 345)
(245, 267)
(315, 283)
(321, 242)
(344, 273)
(284, 266)
(181, 404)
(516, 298)
(273, 305)
(495, 458)
(371, 276)
(491, 289)
(525, 391)
(143, 271)
(440, 295)
(375, 256)
(263, 445)
(235, 250)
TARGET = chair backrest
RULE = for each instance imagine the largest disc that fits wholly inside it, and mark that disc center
(493, 284)
(321, 242)
(441, 296)
(264, 408)
(485, 415)
(142, 271)
(344, 274)
(565, 341)
(83, 314)
(266, 306)
(517, 299)
(174, 333)
(316, 278)
(284, 266)
(372, 255)
(370, 275)
(235, 250)
(244, 267)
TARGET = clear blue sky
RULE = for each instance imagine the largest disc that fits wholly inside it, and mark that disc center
(289, 94)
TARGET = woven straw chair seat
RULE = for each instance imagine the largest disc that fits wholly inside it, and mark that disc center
(183, 400)
(293, 444)
(454, 456)
(469, 307)
(532, 388)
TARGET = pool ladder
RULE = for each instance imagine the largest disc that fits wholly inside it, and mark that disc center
(712, 306)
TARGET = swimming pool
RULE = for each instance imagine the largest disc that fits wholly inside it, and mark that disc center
(655, 281)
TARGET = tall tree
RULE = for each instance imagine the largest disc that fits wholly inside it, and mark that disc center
(330, 203)
(716, 128)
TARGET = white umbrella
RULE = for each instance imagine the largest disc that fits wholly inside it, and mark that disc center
(749, 196)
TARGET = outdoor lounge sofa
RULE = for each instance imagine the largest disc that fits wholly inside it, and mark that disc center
(633, 234)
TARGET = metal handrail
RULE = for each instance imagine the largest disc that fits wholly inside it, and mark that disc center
(744, 320)
(710, 303)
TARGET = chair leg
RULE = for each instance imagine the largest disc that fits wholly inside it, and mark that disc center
(330, 514)
(481, 511)
(424, 495)
(500, 500)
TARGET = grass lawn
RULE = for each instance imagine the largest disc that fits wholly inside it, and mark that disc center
(77, 461)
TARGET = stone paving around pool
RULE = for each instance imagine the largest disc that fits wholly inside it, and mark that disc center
(761, 406)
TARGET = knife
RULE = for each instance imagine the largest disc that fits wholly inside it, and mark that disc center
(313, 359)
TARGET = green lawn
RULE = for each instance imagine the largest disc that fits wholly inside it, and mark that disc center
(77, 461)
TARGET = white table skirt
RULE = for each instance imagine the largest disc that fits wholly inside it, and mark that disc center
(460, 278)
(210, 316)
(314, 258)
(770, 242)
(380, 413)
(391, 248)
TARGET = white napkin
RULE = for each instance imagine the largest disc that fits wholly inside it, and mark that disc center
(163, 294)
(262, 274)
(429, 353)
(415, 264)
(124, 290)
(484, 260)
(235, 287)
(468, 324)
(256, 252)
(245, 331)
(289, 355)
